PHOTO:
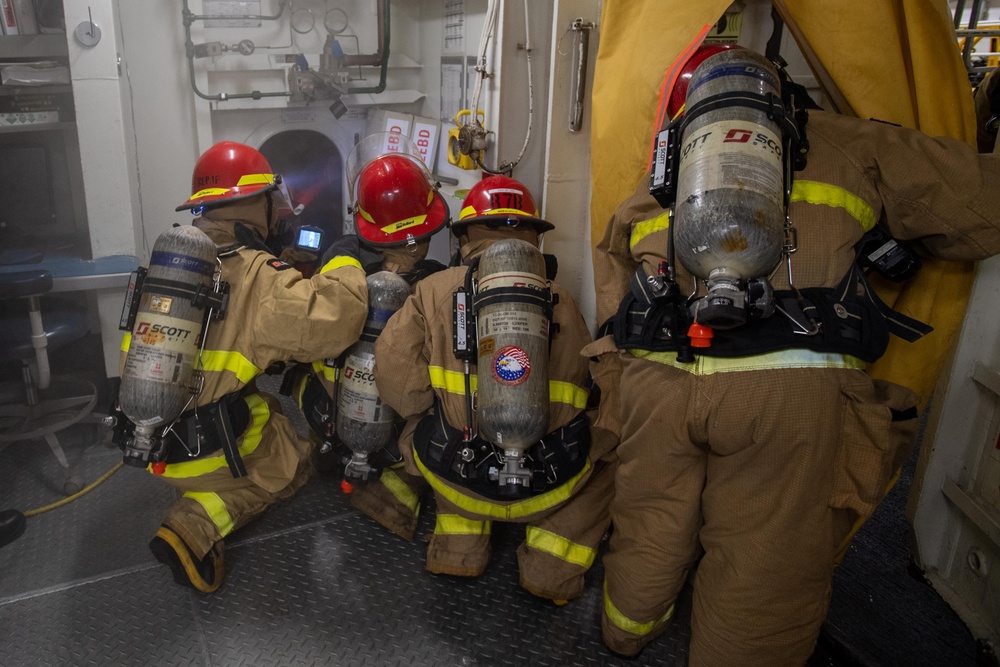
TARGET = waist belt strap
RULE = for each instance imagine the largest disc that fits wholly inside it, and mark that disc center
(852, 320)
(213, 427)
(556, 458)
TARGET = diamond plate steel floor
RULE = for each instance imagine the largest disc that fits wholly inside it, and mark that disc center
(312, 583)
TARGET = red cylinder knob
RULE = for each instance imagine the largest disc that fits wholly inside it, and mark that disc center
(701, 336)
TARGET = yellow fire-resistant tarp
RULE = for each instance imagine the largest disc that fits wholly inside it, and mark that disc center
(896, 61)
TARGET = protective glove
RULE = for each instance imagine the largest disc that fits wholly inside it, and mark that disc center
(346, 246)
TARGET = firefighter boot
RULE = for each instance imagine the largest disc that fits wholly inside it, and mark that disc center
(204, 574)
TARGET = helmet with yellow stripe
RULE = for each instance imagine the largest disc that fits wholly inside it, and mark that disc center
(500, 201)
(231, 171)
(395, 202)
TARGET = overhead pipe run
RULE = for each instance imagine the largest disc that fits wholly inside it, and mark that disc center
(379, 58)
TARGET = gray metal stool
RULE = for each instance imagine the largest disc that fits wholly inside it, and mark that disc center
(42, 404)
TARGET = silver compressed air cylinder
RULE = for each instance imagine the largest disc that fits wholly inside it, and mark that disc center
(158, 376)
(729, 214)
(513, 344)
(364, 422)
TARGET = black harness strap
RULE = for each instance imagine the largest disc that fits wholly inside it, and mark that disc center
(213, 427)
(554, 459)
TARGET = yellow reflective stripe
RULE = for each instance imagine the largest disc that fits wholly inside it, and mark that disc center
(401, 491)
(453, 524)
(229, 360)
(471, 212)
(628, 625)
(567, 392)
(255, 179)
(126, 341)
(404, 224)
(209, 192)
(516, 510)
(328, 372)
(340, 261)
(643, 229)
(705, 365)
(259, 414)
(824, 194)
(215, 508)
(560, 547)
(453, 382)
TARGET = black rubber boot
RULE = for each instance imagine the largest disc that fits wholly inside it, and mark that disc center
(12, 525)
(203, 574)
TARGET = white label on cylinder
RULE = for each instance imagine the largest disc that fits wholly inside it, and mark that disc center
(162, 349)
(358, 397)
(526, 321)
(733, 154)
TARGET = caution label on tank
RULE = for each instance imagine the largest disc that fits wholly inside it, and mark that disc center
(732, 154)
(514, 318)
(162, 349)
(358, 397)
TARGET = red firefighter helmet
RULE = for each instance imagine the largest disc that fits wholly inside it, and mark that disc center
(396, 203)
(500, 200)
(675, 106)
(230, 171)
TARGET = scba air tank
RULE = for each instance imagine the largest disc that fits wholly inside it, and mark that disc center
(364, 422)
(729, 216)
(157, 380)
(513, 341)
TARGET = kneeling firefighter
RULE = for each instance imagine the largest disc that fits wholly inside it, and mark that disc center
(397, 209)
(752, 439)
(483, 362)
(215, 309)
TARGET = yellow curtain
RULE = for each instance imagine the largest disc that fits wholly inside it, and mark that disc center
(639, 39)
(897, 61)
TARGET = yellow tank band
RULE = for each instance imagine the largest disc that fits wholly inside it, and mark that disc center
(215, 508)
(400, 490)
(628, 625)
(704, 365)
(509, 512)
(454, 524)
(559, 547)
(259, 414)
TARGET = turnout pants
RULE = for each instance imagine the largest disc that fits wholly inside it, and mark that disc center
(215, 503)
(560, 545)
(763, 472)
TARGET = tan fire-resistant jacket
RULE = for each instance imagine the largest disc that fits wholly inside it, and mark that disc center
(274, 314)
(414, 361)
(936, 192)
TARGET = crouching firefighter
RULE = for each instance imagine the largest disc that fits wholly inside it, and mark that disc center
(214, 310)
(483, 361)
(397, 210)
(752, 439)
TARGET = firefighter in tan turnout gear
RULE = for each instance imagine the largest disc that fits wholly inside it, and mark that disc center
(231, 451)
(560, 481)
(397, 209)
(752, 439)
